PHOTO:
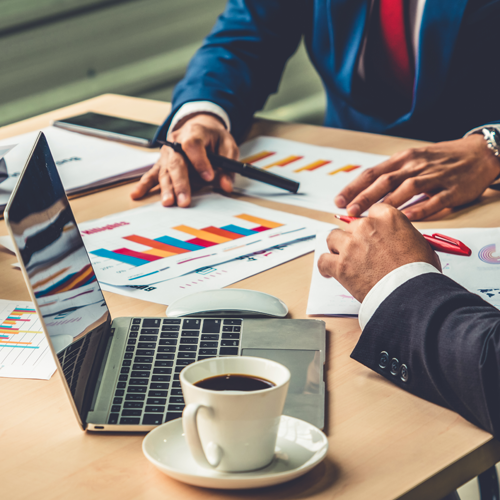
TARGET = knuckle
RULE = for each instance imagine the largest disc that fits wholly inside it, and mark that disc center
(369, 175)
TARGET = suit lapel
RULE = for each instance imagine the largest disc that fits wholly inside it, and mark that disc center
(441, 22)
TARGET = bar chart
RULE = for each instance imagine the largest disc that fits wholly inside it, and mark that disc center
(167, 246)
(321, 171)
(24, 350)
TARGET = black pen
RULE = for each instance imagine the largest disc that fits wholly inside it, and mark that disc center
(244, 169)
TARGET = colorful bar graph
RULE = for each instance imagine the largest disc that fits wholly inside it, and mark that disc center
(175, 249)
(257, 220)
(222, 232)
(126, 259)
(167, 246)
(204, 235)
(10, 329)
(283, 162)
(256, 157)
(238, 230)
(137, 255)
(313, 166)
(346, 168)
(178, 243)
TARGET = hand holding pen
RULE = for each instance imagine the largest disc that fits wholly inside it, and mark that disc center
(438, 242)
(189, 150)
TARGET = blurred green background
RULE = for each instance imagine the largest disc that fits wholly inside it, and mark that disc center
(57, 52)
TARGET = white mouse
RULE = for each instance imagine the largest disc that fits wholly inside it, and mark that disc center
(228, 302)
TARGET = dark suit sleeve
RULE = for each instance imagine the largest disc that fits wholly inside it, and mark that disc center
(240, 63)
(449, 340)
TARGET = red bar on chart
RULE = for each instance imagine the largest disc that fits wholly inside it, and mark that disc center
(283, 162)
(202, 243)
(313, 166)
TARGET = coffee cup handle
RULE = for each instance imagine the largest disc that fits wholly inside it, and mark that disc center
(190, 427)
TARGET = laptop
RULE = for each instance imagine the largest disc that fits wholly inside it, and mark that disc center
(123, 374)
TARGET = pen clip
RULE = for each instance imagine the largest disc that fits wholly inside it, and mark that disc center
(460, 249)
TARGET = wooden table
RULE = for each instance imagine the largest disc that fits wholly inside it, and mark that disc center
(384, 443)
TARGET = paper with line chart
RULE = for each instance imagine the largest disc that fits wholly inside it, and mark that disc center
(479, 273)
(150, 244)
(24, 350)
(321, 171)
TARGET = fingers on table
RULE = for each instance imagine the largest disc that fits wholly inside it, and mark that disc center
(328, 263)
(148, 181)
(428, 207)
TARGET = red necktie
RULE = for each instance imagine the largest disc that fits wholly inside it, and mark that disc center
(394, 44)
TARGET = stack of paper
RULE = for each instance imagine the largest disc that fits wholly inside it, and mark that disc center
(83, 162)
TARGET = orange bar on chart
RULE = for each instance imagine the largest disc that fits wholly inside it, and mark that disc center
(204, 235)
(257, 220)
(283, 162)
(347, 168)
(256, 157)
(313, 166)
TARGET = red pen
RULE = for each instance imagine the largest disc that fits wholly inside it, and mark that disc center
(439, 242)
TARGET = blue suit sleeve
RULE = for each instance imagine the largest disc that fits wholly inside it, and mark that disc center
(449, 341)
(240, 63)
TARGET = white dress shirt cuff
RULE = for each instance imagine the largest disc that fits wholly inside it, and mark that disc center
(387, 285)
(478, 129)
(195, 107)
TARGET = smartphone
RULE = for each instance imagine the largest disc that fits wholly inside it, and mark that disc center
(111, 127)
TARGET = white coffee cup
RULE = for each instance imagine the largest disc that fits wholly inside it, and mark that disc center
(233, 431)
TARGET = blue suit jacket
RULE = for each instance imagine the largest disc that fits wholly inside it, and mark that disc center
(457, 74)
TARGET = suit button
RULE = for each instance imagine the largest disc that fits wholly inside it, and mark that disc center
(383, 361)
(394, 366)
(403, 373)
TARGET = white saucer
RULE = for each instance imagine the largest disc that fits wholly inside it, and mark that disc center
(299, 448)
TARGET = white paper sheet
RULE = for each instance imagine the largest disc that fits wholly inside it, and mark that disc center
(83, 162)
(479, 273)
(215, 277)
(321, 171)
(118, 244)
(24, 350)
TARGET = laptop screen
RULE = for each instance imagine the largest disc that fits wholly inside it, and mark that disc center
(62, 279)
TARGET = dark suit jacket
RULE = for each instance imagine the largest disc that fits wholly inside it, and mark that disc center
(457, 77)
(449, 340)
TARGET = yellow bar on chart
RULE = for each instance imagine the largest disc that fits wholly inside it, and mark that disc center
(159, 253)
(257, 220)
(346, 168)
(204, 235)
(256, 157)
(313, 166)
(9, 322)
(283, 162)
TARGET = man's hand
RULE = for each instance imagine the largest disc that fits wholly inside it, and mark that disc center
(450, 173)
(372, 247)
(170, 172)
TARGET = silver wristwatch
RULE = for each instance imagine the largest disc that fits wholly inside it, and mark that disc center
(492, 138)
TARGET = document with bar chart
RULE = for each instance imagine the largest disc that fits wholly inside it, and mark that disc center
(322, 172)
(150, 244)
(24, 350)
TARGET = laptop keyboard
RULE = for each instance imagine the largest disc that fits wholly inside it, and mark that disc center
(148, 391)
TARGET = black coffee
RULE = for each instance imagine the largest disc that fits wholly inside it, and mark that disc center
(234, 382)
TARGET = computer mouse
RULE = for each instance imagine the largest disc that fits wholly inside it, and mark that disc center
(228, 302)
